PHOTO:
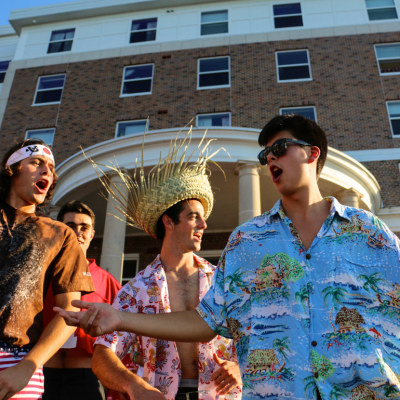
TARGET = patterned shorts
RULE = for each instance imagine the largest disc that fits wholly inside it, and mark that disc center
(35, 387)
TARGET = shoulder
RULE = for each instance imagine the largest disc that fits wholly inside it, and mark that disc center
(57, 226)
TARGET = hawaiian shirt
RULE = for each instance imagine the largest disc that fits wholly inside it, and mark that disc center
(148, 293)
(325, 319)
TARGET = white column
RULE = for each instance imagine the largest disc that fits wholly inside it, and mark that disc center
(249, 191)
(53, 210)
(349, 197)
(112, 252)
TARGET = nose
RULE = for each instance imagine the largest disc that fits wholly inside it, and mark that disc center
(271, 157)
(46, 169)
(202, 223)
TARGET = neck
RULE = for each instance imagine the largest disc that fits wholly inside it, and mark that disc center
(175, 260)
(305, 203)
(20, 204)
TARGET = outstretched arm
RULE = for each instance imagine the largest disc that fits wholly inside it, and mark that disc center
(113, 375)
(101, 318)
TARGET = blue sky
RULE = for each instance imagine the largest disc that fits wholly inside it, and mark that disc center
(8, 5)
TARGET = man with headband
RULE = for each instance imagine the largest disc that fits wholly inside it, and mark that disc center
(34, 251)
(174, 209)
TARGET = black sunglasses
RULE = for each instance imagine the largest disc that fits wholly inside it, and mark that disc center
(278, 149)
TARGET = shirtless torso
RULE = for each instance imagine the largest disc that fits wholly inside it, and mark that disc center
(183, 288)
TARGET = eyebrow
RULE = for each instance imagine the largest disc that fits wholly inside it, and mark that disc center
(73, 223)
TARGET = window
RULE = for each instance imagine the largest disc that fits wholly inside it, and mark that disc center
(143, 30)
(288, 15)
(47, 135)
(223, 119)
(130, 128)
(130, 267)
(137, 80)
(293, 66)
(214, 22)
(381, 9)
(308, 112)
(388, 56)
(49, 89)
(213, 72)
(394, 116)
(3, 69)
(61, 41)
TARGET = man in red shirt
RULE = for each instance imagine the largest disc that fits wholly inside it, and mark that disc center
(68, 374)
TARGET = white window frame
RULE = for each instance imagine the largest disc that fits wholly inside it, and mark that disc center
(215, 72)
(139, 79)
(215, 22)
(47, 90)
(383, 59)
(293, 108)
(211, 114)
(130, 256)
(288, 15)
(390, 119)
(41, 129)
(381, 8)
(293, 65)
(142, 30)
(209, 253)
(131, 120)
(64, 40)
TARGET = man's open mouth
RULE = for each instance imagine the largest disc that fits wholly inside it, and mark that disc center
(198, 235)
(42, 185)
(275, 173)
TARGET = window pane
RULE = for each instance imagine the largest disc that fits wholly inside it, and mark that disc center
(218, 79)
(145, 71)
(2, 76)
(50, 96)
(388, 51)
(307, 112)
(131, 128)
(144, 24)
(213, 120)
(4, 65)
(379, 3)
(289, 73)
(142, 36)
(133, 87)
(59, 47)
(129, 269)
(389, 66)
(286, 9)
(212, 29)
(396, 126)
(214, 64)
(49, 82)
(214, 16)
(62, 35)
(47, 135)
(386, 13)
(288, 22)
(394, 110)
(292, 57)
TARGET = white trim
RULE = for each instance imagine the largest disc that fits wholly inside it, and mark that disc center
(41, 129)
(215, 72)
(129, 256)
(211, 114)
(293, 108)
(137, 79)
(390, 119)
(209, 253)
(391, 217)
(381, 8)
(48, 90)
(215, 22)
(375, 155)
(132, 120)
(384, 59)
(293, 65)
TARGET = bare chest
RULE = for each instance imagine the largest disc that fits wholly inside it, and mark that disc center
(183, 292)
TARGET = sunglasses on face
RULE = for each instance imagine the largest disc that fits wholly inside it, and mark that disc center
(278, 149)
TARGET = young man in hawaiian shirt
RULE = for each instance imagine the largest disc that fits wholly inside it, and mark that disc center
(175, 281)
(309, 290)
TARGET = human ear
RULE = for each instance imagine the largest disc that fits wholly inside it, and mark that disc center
(315, 153)
(167, 222)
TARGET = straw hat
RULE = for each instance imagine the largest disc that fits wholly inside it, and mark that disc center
(142, 201)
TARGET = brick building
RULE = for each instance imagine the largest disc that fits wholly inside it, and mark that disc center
(89, 74)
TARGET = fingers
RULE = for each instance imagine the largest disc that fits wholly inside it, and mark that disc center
(82, 304)
(221, 389)
(70, 317)
(217, 360)
(90, 320)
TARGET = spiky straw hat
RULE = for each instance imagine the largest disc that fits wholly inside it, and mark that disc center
(142, 201)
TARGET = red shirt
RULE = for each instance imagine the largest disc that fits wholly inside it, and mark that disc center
(106, 288)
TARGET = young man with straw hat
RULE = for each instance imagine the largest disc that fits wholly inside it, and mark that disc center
(34, 250)
(171, 204)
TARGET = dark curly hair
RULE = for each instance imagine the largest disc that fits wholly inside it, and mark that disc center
(7, 172)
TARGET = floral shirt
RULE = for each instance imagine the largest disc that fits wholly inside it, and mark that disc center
(325, 319)
(148, 293)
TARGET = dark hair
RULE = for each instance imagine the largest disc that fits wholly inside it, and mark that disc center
(301, 128)
(173, 212)
(78, 207)
(7, 172)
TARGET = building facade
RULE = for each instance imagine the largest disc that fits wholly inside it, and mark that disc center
(84, 74)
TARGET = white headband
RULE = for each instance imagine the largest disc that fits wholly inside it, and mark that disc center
(28, 151)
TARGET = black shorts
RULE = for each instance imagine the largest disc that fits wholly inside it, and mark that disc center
(72, 384)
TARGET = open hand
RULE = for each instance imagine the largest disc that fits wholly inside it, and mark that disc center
(227, 377)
